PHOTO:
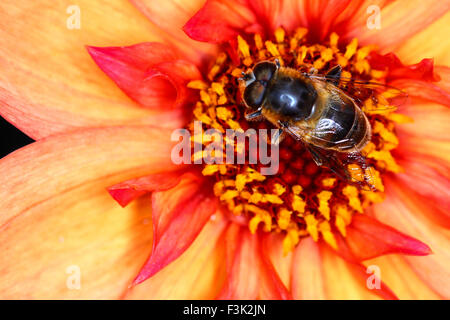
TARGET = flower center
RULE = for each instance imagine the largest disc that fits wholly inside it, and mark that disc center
(302, 199)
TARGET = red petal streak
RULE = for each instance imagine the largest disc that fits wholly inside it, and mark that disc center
(127, 191)
(178, 215)
(243, 272)
(424, 70)
(367, 238)
(272, 288)
(250, 272)
(129, 68)
(219, 21)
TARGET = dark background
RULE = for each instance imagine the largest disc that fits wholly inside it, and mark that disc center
(11, 138)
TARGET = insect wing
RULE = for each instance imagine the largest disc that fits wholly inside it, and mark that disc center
(372, 97)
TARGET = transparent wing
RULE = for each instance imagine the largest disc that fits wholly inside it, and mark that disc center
(349, 166)
(372, 97)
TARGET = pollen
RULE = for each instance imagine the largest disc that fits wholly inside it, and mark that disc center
(301, 199)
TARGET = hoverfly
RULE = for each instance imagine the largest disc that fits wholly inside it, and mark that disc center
(318, 110)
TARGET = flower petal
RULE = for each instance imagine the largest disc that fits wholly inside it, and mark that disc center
(282, 263)
(367, 238)
(250, 272)
(219, 21)
(58, 184)
(271, 287)
(407, 215)
(170, 16)
(179, 215)
(127, 191)
(431, 42)
(184, 279)
(434, 189)
(425, 140)
(242, 265)
(424, 70)
(49, 84)
(307, 275)
(425, 90)
(344, 280)
(399, 276)
(54, 165)
(80, 232)
(400, 20)
(146, 72)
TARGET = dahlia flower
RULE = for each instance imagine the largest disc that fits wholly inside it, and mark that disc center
(98, 193)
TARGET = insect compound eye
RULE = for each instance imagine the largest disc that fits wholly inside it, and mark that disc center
(254, 94)
(264, 71)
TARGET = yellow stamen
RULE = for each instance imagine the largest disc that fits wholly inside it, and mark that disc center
(328, 236)
(352, 194)
(279, 34)
(290, 240)
(343, 218)
(334, 38)
(311, 226)
(243, 47)
(351, 49)
(328, 182)
(260, 216)
(284, 218)
(324, 208)
(197, 84)
(278, 189)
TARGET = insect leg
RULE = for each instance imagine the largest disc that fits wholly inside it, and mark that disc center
(334, 75)
(278, 137)
(277, 62)
(254, 116)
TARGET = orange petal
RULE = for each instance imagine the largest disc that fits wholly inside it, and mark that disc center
(444, 74)
(58, 184)
(400, 20)
(431, 42)
(282, 263)
(197, 274)
(344, 280)
(49, 83)
(80, 232)
(59, 163)
(434, 189)
(127, 191)
(271, 286)
(399, 276)
(241, 262)
(430, 122)
(250, 271)
(170, 16)
(179, 215)
(408, 215)
(367, 238)
(307, 274)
